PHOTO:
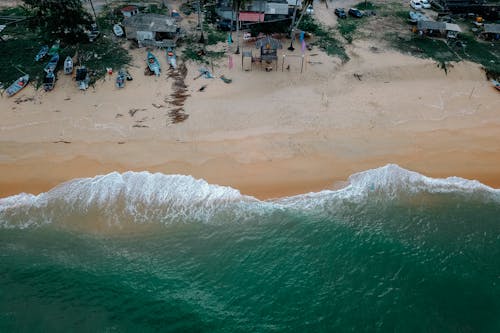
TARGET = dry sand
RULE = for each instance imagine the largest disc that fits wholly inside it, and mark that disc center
(267, 134)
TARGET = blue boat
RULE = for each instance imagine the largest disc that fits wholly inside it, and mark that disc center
(153, 64)
(120, 79)
(18, 85)
(42, 53)
(51, 66)
(49, 81)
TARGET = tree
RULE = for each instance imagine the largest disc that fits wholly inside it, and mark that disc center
(60, 19)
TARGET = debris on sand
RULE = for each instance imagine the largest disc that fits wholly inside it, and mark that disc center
(179, 95)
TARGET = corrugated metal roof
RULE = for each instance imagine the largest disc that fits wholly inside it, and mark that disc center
(453, 27)
(251, 17)
(492, 28)
(431, 25)
(151, 22)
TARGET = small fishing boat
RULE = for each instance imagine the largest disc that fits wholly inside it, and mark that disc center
(82, 78)
(18, 85)
(120, 79)
(68, 65)
(42, 53)
(153, 64)
(496, 84)
(117, 29)
(54, 49)
(171, 58)
(49, 81)
(51, 66)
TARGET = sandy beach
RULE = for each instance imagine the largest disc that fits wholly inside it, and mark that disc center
(268, 134)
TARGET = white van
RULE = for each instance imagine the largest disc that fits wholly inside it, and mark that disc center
(416, 4)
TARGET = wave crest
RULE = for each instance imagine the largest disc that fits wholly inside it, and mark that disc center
(142, 197)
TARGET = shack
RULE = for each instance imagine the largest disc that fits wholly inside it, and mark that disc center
(268, 50)
(431, 28)
(153, 30)
(129, 11)
(491, 31)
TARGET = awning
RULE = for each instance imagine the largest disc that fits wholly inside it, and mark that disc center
(251, 17)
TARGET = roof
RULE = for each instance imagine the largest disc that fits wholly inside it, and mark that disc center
(129, 9)
(453, 27)
(431, 25)
(492, 28)
(251, 17)
(151, 22)
(268, 41)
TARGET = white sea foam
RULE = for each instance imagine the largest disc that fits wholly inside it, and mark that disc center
(142, 197)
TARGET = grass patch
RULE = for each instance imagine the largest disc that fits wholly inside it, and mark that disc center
(484, 53)
(365, 5)
(324, 38)
(425, 47)
(347, 29)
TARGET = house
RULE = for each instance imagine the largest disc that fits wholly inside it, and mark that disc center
(256, 11)
(129, 11)
(153, 30)
(491, 31)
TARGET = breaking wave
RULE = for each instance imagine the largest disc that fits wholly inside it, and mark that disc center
(142, 197)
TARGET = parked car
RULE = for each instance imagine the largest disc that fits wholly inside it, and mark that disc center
(416, 4)
(425, 4)
(225, 25)
(309, 10)
(354, 12)
(340, 12)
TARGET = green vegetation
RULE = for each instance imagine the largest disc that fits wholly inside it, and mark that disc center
(214, 36)
(25, 40)
(15, 11)
(347, 29)
(365, 5)
(484, 53)
(324, 38)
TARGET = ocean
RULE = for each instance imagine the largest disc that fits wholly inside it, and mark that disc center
(394, 251)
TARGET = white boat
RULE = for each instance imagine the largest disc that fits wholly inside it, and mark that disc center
(68, 65)
(117, 29)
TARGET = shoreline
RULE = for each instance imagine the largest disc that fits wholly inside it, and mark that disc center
(266, 134)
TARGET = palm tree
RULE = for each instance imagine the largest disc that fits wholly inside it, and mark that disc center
(236, 8)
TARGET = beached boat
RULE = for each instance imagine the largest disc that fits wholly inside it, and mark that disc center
(54, 49)
(496, 84)
(117, 29)
(18, 85)
(82, 78)
(120, 78)
(153, 64)
(42, 53)
(68, 65)
(171, 58)
(49, 81)
(52, 64)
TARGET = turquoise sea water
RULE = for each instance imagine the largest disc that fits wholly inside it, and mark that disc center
(392, 252)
